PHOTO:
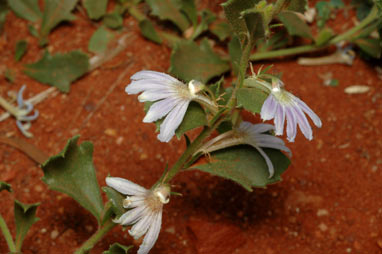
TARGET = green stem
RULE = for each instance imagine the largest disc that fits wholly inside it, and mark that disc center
(311, 48)
(348, 34)
(101, 232)
(7, 235)
(135, 12)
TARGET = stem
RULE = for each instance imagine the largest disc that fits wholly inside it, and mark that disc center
(311, 48)
(135, 12)
(191, 149)
(346, 35)
(7, 235)
(101, 232)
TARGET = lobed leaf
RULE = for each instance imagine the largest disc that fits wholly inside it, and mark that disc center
(21, 48)
(371, 46)
(148, 31)
(191, 61)
(100, 39)
(3, 14)
(294, 24)
(244, 165)
(188, 7)
(59, 70)
(25, 217)
(169, 10)
(221, 29)
(5, 186)
(252, 99)
(117, 248)
(194, 118)
(95, 8)
(297, 5)
(72, 172)
(26, 9)
(113, 20)
(56, 12)
(233, 11)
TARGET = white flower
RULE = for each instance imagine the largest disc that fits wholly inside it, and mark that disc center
(145, 210)
(250, 134)
(171, 98)
(281, 104)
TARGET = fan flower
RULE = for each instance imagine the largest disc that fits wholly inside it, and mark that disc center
(171, 98)
(281, 104)
(250, 134)
(145, 210)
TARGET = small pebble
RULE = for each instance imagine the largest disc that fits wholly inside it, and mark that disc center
(323, 227)
(111, 132)
(357, 89)
(54, 234)
(322, 212)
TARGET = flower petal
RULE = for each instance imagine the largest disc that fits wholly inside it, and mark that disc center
(268, 109)
(138, 86)
(172, 121)
(125, 186)
(151, 235)
(279, 119)
(291, 124)
(160, 109)
(267, 160)
(131, 216)
(154, 95)
(155, 75)
(316, 120)
(140, 228)
(303, 123)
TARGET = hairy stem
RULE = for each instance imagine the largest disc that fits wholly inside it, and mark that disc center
(7, 235)
(101, 232)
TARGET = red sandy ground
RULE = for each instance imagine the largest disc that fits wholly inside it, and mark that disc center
(328, 202)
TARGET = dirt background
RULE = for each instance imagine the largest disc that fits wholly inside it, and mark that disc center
(328, 202)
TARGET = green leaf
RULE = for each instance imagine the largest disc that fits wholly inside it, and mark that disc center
(297, 5)
(26, 9)
(72, 172)
(33, 31)
(5, 186)
(148, 31)
(3, 14)
(323, 13)
(113, 20)
(25, 217)
(252, 99)
(194, 118)
(188, 7)
(371, 46)
(56, 12)
(9, 75)
(169, 10)
(337, 4)
(233, 10)
(59, 70)
(221, 29)
(363, 8)
(100, 39)
(190, 61)
(256, 25)
(207, 18)
(244, 165)
(324, 36)
(116, 200)
(95, 8)
(117, 248)
(294, 24)
(21, 49)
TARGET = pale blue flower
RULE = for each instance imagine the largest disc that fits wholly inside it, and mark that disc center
(251, 134)
(171, 98)
(281, 105)
(145, 210)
